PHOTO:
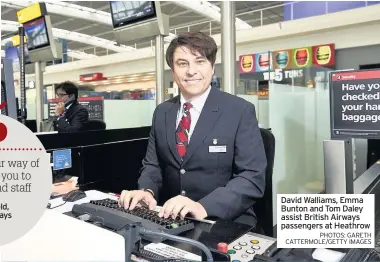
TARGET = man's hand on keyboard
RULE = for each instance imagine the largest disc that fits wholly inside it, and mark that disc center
(131, 199)
(182, 206)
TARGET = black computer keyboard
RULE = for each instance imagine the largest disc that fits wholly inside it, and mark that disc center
(108, 213)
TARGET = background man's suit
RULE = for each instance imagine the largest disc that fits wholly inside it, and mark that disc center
(226, 183)
(76, 116)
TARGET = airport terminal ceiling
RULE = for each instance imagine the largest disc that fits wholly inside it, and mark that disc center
(181, 18)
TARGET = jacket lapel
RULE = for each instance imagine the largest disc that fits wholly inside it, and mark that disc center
(170, 123)
(70, 111)
(207, 120)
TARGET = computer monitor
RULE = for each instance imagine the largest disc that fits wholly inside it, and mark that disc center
(61, 172)
(36, 34)
(129, 12)
(109, 172)
(136, 20)
(41, 44)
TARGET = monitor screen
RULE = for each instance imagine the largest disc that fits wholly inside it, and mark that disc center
(127, 12)
(36, 33)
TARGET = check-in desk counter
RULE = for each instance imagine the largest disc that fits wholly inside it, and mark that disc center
(59, 236)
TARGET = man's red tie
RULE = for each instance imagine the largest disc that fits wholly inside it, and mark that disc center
(182, 133)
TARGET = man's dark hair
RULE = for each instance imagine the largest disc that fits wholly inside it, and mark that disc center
(197, 42)
(69, 88)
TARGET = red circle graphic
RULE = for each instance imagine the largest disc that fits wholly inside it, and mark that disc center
(3, 132)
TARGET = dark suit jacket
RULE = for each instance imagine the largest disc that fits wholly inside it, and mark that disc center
(226, 184)
(74, 119)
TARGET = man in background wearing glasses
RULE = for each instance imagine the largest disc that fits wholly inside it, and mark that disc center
(71, 116)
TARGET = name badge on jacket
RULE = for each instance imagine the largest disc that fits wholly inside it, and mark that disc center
(217, 149)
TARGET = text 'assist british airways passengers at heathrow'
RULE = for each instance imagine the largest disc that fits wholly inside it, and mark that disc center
(325, 221)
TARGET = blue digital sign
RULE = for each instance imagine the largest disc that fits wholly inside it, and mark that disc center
(36, 34)
(62, 159)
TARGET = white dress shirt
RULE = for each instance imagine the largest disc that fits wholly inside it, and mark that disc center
(195, 111)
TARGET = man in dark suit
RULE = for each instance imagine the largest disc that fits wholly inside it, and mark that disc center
(205, 156)
(71, 116)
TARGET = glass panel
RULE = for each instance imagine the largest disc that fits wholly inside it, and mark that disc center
(129, 100)
(248, 90)
(300, 121)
